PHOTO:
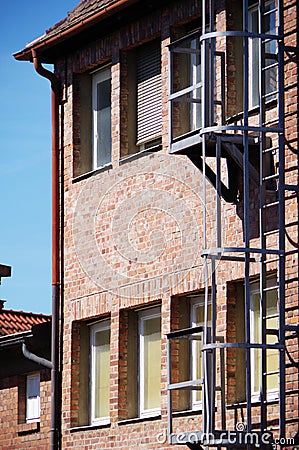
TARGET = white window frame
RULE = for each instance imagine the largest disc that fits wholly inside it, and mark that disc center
(98, 77)
(272, 394)
(94, 329)
(33, 379)
(253, 65)
(195, 69)
(197, 302)
(142, 317)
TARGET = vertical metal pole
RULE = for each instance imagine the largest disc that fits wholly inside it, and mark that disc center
(246, 218)
(262, 215)
(204, 77)
(212, 358)
(169, 392)
(170, 105)
(281, 197)
(218, 191)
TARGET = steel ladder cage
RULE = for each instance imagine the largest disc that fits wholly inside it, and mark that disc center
(208, 40)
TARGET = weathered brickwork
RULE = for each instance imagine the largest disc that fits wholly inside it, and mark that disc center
(133, 232)
(15, 433)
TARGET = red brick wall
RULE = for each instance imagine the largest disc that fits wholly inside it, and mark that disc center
(114, 278)
(15, 433)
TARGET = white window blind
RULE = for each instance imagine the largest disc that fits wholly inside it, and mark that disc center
(100, 372)
(149, 362)
(33, 398)
(149, 96)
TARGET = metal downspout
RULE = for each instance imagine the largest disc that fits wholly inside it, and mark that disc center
(55, 398)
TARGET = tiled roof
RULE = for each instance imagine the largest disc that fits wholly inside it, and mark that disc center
(85, 9)
(12, 322)
(87, 13)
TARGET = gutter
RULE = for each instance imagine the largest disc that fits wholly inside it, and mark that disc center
(19, 338)
(73, 30)
(55, 394)
(37, 359)
(14, 339)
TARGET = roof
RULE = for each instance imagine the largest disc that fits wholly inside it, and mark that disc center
(83, 16)
(85, 9)
(12, 321)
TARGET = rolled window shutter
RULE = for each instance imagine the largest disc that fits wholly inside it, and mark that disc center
(149, 95)
(33, 397)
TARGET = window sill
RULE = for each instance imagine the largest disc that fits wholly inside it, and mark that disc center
(146, 152)
(251, 112)
(28, 428)
(187, 412)
(92, 173)
(254, 401)
(139, 419)
(90, 427)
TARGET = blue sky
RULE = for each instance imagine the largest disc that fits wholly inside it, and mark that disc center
(25, 157)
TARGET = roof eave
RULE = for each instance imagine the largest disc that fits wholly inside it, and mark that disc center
(44, 43)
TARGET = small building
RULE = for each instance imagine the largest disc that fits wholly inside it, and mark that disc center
(25, 386)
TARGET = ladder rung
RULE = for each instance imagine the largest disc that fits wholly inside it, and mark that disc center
(270, 11)
(273, 372)
(270, 149)
(269, 233)
(269, 94)
(271, 177)
(270, 66)
(273, 316)
(271, 260)
(271, 121)
(268, 205)
(271, 288)
(192, 384)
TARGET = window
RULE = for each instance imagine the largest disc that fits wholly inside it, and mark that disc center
(185, 96)
(101, 117)
(149, 95)
(100, 372)
(270, 50)
(141, 98)
(272, 356)
(197, 319)
(33, 397)
(149, 362)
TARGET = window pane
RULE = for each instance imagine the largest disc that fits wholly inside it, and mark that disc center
(257, 339)
(152, 362)
(102, 373)
(198, 320)
(272, 356)
(186, 73)
(270, 48)
(103, 126)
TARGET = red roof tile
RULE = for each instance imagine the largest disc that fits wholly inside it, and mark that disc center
(12, 322)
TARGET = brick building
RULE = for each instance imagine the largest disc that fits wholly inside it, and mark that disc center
(175, 223)
(25, 386)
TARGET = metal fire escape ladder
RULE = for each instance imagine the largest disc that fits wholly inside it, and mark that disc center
(266, 188)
